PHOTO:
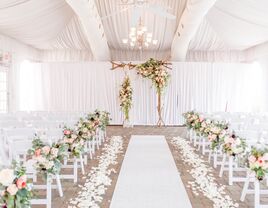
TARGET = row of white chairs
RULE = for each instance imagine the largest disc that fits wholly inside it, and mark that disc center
(254, 132)
(16, 140)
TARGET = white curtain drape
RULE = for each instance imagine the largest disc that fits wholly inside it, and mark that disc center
(85, 86)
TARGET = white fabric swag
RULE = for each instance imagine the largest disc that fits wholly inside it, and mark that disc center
(86, 86)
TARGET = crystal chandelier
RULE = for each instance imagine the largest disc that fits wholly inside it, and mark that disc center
(139, 37)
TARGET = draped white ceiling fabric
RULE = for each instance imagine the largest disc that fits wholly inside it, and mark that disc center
(205, 87)
(230, 27)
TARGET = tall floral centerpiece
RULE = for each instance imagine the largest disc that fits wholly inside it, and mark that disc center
(14, 187)
(157, 72)
(125, 96)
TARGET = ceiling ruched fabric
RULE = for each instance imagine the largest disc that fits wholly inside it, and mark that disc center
(51, 26)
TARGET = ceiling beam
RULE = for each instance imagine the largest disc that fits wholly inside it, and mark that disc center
(189, 23)
(87, 13)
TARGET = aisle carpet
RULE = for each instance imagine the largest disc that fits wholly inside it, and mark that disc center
(149, 177)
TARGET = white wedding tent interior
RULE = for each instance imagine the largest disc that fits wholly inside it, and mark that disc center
(133, 103)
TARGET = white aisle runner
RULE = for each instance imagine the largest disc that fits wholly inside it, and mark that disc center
(149, 177)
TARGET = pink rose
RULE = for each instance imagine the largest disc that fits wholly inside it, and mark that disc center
(46, 150)
(37, 152)
(261, 161)
(67, 132)
(21, 182)
(12, 189)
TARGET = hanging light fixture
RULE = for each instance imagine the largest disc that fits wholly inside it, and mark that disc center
(139, 37)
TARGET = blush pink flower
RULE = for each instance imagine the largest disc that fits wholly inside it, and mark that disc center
(12, 189)
(252, 159)
(261, 161)
(46, 150)
(67, 132)
(21, 182)
(37, 152)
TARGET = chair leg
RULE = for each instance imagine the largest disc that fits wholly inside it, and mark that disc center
(75, 170)
(215, 159)
(93, 145)
(203, 145)
(59, 185)
(209, 155)
(245, 188)
(231, 168)
(256, 193)
(49, 197)
(82, 164)
(222, 165)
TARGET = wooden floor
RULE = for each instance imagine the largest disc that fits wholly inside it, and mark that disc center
(200, 201)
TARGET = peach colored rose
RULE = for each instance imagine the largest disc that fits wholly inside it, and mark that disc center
(46, 150)
(261, 161)
(21, 183)
(37, 152)
(12, 189)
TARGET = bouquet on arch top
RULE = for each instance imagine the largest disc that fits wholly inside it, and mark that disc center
(73, 141)
(156, 71)
(47, 158)
(15, 189)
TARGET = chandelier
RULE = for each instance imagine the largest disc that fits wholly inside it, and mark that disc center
(139, 37)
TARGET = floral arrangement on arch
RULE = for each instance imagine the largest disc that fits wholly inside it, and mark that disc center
(73, 141)
(156, 71)
(258, 161)
(47, 158)
(14, 187)
(233, 145)
(125, 96)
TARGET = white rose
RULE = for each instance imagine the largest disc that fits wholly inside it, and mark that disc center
(7, 177)
(54, 151)
(74, 136)
(49, 164)
(84, 130)
(237, 141)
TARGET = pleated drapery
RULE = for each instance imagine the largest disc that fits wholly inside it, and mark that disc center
(86, 86)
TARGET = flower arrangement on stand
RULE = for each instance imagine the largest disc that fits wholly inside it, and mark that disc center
(101, 118)
(157, 72)
(14, 187)
(258, 161)
(86, 128)
(125, 96)
(216, 134)
(73, 141)
(233, 145)
(48, 158)
(104, 120)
